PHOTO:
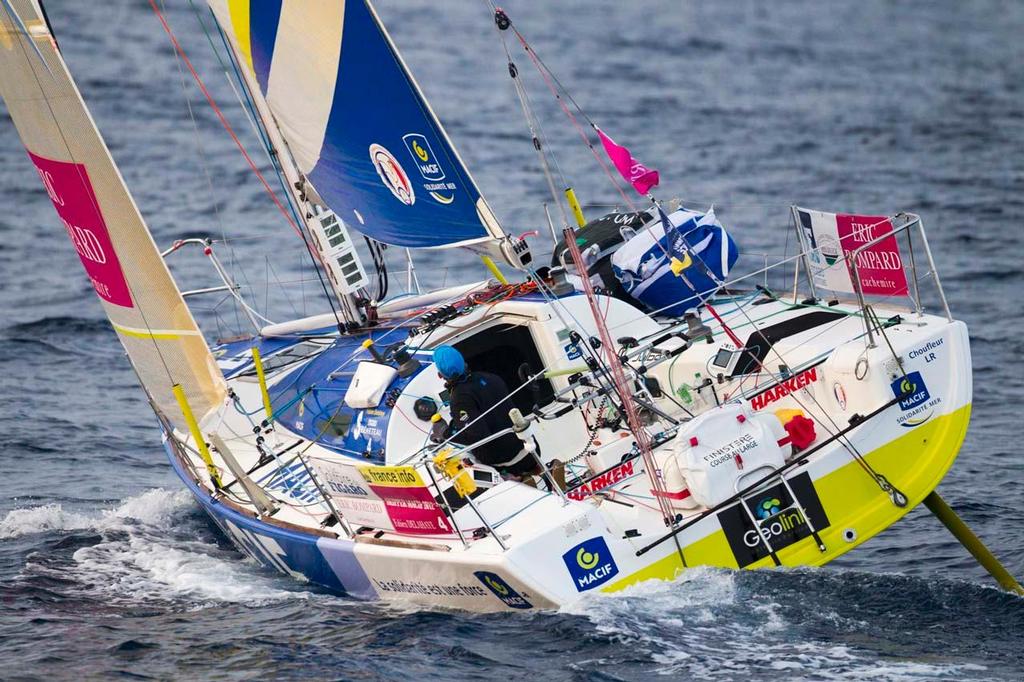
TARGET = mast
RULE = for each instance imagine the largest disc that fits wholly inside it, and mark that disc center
(306, 203)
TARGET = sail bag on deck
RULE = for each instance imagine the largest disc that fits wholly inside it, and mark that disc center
(598, 241)
(644, 263)
(120, 258)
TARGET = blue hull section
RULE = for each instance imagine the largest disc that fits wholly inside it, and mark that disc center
(328, 562)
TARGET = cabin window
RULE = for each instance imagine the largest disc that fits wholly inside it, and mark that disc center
(289, 356)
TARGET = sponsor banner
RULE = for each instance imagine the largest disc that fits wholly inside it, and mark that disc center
(441, 189)
(590, 564)
(72, 195)
(410, 505)
(502, 590)
(780, 522)
(429, 587)
(828, 239)
(879, 266)
(784, 388)
(352, 495)
(604, 480)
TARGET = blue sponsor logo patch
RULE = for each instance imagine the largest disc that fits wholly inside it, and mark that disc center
(502, 590)
(590, 564)
(913, 388)
(572, 351)
(423, 156)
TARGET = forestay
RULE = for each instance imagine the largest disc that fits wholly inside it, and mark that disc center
(120, 258)
(358, 127)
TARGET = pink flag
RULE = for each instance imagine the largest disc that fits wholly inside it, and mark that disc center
(640, 176)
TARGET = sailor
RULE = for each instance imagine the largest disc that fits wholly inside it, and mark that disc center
(473, 394)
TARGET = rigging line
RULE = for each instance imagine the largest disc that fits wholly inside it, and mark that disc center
(551, 81)
(282, 289)
(531, 123)
(524, 98)
(248, 106)
(583, 136)
(227, 126)
(619, 380)
(205, 163)
(209, 38)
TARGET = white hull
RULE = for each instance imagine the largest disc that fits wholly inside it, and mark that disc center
(555, 549)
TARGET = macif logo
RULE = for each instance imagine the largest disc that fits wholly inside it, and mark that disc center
(502, 590)
(590, 564)
(423, 157)
(913, 389)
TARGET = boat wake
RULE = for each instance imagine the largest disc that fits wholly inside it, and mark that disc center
(157, 551)
(720, 624)
(153, 548)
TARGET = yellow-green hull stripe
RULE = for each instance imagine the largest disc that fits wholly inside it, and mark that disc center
(915, 463)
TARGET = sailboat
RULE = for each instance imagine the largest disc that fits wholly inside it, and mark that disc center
(747, 429)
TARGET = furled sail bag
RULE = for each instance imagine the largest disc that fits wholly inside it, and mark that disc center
(598, 240)
(643, 264)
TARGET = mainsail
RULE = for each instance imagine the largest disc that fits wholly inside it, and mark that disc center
(120, 258)
(357, 125)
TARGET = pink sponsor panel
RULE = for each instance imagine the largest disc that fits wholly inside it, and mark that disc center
(72, 195)
(413, 510)
(879, 266)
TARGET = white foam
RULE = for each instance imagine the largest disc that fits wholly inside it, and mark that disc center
(152, 507)
(153, 569)
(150, 552)
(18, 522)
(704, 626)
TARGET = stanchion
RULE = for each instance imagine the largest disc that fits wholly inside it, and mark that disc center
(197, 435)
(258, 361)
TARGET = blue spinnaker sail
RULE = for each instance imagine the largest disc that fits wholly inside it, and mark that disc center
(355, 121)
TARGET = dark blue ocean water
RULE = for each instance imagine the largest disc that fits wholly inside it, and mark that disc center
(107, 569)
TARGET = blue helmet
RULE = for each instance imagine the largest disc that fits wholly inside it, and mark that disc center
(449, 362)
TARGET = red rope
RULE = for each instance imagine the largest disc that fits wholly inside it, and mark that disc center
(227, 126)
(735, 339)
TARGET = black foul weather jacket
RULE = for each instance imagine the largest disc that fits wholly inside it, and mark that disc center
(473, 395)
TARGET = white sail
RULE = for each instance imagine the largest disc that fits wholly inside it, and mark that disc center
(120, 258)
